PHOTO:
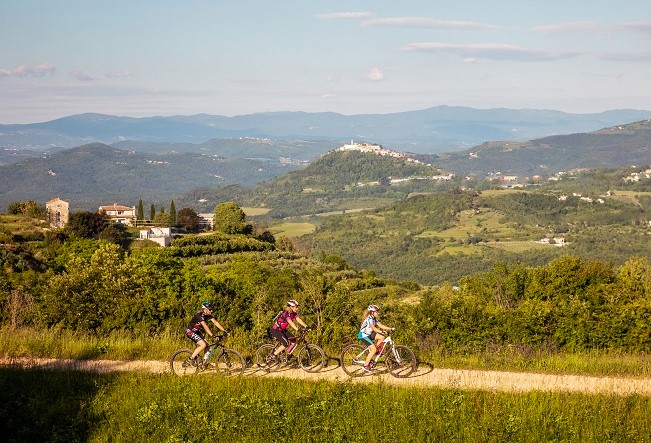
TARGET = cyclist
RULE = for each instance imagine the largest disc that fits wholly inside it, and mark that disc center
(287, 317)
(370, 333)
(197, 326)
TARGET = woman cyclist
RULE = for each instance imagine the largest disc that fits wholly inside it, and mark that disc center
(197, 326)
(370, 333)
(287, 317)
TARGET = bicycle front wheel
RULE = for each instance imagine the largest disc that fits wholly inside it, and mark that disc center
(311, 358)
(401, 361)
(230, 362)
(265, 358)
(179, 363)
(352, 359)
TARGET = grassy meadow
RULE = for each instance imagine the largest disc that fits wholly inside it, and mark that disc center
(42, 405)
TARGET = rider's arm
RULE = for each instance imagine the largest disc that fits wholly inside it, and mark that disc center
(206, 328)
(300, 321)
(292, 324)
(216, 323)
(385, 327)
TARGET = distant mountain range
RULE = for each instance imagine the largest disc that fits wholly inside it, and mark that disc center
(433, 130)
(199, 175)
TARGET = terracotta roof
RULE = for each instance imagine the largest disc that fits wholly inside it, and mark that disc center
(116, 207)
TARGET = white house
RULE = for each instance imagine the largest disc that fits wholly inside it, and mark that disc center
(162, 236)
(125, 215)
(207, 220)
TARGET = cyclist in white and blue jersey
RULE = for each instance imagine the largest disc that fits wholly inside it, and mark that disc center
(370, 333)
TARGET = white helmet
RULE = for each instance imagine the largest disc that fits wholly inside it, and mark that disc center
(373, 308)
(293, 303)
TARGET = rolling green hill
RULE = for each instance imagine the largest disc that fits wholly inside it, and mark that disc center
(444, 236)
(95, 174)
(339, 180)
(606, 148)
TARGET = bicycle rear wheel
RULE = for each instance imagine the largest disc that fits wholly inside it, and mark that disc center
(230, 362)
(179, 363)
(401, 361)
(265, 359)
(311, 358)
(352, 360)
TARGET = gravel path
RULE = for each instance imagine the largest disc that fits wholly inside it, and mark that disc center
(423, 377)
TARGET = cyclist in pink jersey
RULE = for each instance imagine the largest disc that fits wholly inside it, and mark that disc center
(287, 317)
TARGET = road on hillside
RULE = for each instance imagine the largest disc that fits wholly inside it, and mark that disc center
(425, 376)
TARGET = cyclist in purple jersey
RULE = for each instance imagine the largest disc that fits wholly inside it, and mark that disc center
(198, 325)
(288, 317)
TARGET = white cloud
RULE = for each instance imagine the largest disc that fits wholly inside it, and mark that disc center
(81, 76)
(568, 27)
(424, 22)
(346, 16)
(118, 74)
(489, 51)
(375, 75)
(329, 95)
(641, 26)
(39, 70)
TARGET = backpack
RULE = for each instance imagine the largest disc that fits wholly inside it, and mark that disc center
(275, 320)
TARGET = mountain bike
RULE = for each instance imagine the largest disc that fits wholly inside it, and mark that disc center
(218, 359)
(310, 357)
(399, 360)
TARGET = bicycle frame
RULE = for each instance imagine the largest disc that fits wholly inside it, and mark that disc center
(310, 357)
(300, 341)
(388, 344)
(216, 357)
(211, 349)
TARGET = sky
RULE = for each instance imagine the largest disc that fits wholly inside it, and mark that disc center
(142, 58)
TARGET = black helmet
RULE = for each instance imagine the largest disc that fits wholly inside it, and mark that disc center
(207, 305)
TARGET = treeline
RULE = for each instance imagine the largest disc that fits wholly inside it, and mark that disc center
(568, 304)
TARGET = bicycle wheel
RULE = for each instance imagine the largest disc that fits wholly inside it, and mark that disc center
(265, 359)
(352, 360)
(401, 361)
(230, 362)
(311, 358)
(179, 364)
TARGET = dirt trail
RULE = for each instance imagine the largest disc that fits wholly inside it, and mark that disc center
(424, 377)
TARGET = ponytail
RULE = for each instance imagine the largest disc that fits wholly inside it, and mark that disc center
(365, 314)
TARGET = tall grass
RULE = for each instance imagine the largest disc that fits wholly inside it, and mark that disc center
(125, 346)
(67, 406)
(56, 343)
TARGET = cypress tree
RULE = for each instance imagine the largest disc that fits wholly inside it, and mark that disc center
(140, 216)
(172, 214)
(152, 213)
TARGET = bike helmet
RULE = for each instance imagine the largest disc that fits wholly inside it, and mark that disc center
(293, 303)
(373, 308)
(207, 305)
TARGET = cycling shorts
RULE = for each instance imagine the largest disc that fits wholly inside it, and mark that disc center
(194, 336)
(284, 337)
(367, 339)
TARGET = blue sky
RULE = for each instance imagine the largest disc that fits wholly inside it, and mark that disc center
(158, 57)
